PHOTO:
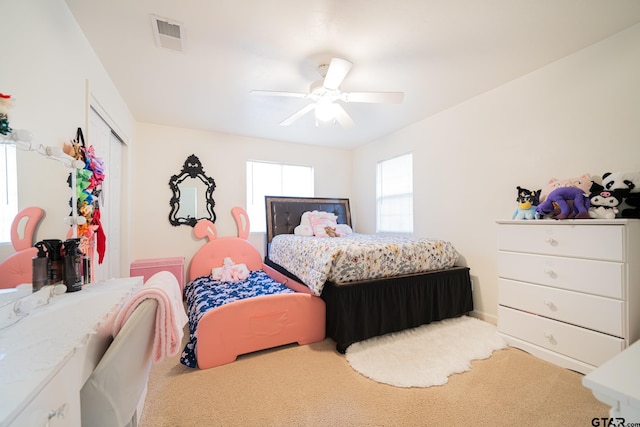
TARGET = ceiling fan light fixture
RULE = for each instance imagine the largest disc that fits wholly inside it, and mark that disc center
(325, 111)
(326, 93)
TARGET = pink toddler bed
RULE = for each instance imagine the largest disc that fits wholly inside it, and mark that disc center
(229, 318)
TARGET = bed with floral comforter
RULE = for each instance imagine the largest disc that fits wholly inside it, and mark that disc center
(357, 257)
(400, 284)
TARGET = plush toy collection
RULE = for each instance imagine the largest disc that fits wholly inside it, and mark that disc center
(628, 185)
(527, 202)
(583, 197)
(604, 203)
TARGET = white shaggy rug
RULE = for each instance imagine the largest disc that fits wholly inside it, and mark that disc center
(425, 356)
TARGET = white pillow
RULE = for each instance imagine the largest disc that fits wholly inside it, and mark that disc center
(303, 230)
(343, 229)
(304, 219)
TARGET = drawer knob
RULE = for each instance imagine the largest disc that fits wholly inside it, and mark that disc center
(549, 336)
(550, 240)
(57, 413)
(551, 306)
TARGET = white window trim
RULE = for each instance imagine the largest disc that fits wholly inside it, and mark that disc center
(9, 190)
(256, 207)
(408, 216)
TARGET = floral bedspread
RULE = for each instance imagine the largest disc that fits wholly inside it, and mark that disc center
(204, 294)
(358, 257)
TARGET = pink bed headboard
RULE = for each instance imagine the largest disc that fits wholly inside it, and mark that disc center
(213, 253)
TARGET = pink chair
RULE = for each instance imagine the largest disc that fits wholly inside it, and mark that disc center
(16, 269)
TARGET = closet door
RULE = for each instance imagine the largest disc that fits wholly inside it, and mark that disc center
(108, 146)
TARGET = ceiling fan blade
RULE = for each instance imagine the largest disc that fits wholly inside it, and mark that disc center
(277, 93)
(295, 116)
(374, 97)
(338, 69)
(342, 117)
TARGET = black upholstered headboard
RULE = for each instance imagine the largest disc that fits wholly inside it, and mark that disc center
(284, 213)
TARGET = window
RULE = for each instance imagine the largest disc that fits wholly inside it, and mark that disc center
(274, 179)
(394, 195)
(8, 190)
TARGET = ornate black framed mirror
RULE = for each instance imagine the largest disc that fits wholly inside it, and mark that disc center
(192, 198)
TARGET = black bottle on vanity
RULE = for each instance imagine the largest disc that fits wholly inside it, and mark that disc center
(56, 263)
(73, 275)
(41, 265)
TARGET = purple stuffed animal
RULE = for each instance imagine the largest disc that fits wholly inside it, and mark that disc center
(561, 197)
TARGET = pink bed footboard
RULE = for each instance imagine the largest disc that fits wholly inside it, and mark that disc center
(257, 324)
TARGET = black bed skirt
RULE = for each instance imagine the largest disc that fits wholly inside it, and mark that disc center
(364, 310)
(360, 311)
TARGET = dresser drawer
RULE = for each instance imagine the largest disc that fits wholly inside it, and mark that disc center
(57, 404)
(593, 312)
(585, 345)
(604, 242)
(593, 277)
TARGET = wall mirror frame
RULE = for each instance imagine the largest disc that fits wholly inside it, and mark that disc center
(192, 198)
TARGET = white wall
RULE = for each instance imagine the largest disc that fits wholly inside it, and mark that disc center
(578, 115)
(161, 152)
(50, 69)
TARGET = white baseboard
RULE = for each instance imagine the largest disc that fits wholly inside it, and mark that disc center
(493, 319)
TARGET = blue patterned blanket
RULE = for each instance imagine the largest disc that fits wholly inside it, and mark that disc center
(204, 294)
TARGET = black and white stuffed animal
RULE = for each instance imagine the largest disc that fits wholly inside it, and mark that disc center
(603, 203)
(629, 181)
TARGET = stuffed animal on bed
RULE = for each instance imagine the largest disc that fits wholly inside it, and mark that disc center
(331, 231)
(583, 182)
(527, 202)
(230, 271)
(604, 203)
(629, 182)
(562, 197)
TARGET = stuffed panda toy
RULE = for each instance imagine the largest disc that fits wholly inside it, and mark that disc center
(629, 182)
(603, 203)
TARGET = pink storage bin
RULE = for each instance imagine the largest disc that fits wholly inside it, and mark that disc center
(149, 267)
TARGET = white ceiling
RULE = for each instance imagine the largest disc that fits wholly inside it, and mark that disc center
(438, 52)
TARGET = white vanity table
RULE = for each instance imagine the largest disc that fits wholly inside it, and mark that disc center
(617, 383)
(47, 356)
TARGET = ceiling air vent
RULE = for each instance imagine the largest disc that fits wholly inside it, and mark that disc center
(168, 34)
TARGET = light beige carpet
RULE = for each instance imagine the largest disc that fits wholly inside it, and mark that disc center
(314, 385)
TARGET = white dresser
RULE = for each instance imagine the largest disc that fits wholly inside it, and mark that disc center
(569, 290)
(46, 357)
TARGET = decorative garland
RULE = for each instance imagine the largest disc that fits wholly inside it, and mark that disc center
(5, 105)
(88, 191)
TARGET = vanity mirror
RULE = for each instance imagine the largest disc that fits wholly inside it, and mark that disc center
(192, 198)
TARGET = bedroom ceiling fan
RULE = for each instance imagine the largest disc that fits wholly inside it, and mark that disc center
(326, 93)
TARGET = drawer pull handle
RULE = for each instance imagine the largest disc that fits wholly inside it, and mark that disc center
(551, 306)
(57, 413)
(550, 240)
(549, 336)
